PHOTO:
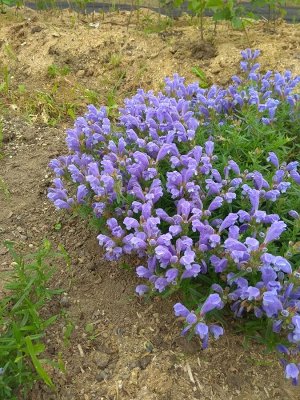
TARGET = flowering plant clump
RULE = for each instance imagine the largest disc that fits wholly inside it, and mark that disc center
(198, 223)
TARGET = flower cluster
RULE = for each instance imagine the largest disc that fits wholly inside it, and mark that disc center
(170, 201)
(265, 92)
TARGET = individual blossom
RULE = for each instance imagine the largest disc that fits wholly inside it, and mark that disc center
(275, 231)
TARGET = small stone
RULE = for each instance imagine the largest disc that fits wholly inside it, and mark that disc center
(30, 246)
(144, 362)
(79, 244)
(20, 229)
(133, 380)
(65, 302)
(13, 264)
(3, 250)
(102, 376)
(80, 73)
(120, 331)
(89, 72)
(94, 25)
(102, 360)
(216, 69)
(134, 364)
(36, 29)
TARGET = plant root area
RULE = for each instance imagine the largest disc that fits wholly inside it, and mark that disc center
(115, 345)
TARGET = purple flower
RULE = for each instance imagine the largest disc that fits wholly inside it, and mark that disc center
(188, 258)
(163, 254)
(273, 159)
(143, 272)
(218, 263)
(233, 244)
(131, 223)
(216, 331)
(274, 232)
(82, 192)
(61, 204)
(215, 204)
(180, 310)
(191, 318)
(234, 167)
(214, 240)
(268, 274)
(171, 275)
(213, 301)
(294, 214)
(281, 264)
(201, 330)
(295, 176)
(292, 372)
(271, 304)
(175, 230)
(141, 289)
(254, 199)
(209, 147)
(252, 243)
(193, 271)
(294, 337)
(160, 284)
(167, 149)
(252, 293)
(228, 221)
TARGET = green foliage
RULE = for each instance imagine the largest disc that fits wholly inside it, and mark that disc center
(5, 80)
(92, 96)
(50, 108)
(82, 4)
(222, 11)
(275, 8)
(3, 187)
(203, 81)
(155, 25)
(247, 140)
(233, 11)
(55, 71)
(22, 324)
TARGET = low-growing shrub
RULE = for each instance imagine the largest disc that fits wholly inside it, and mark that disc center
(200, 223)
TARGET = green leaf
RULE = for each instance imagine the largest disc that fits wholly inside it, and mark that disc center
(36, 362)
(201, 75)
(26, 290)
(178, 3)
(223, 15)
(58, 226)
(237, 23)
(50, 320)
(214, 3)
(89, 328)
(8, 2)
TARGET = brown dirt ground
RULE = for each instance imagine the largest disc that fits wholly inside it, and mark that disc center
(137, 353)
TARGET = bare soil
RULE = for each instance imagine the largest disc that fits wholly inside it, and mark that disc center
(136, 352)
